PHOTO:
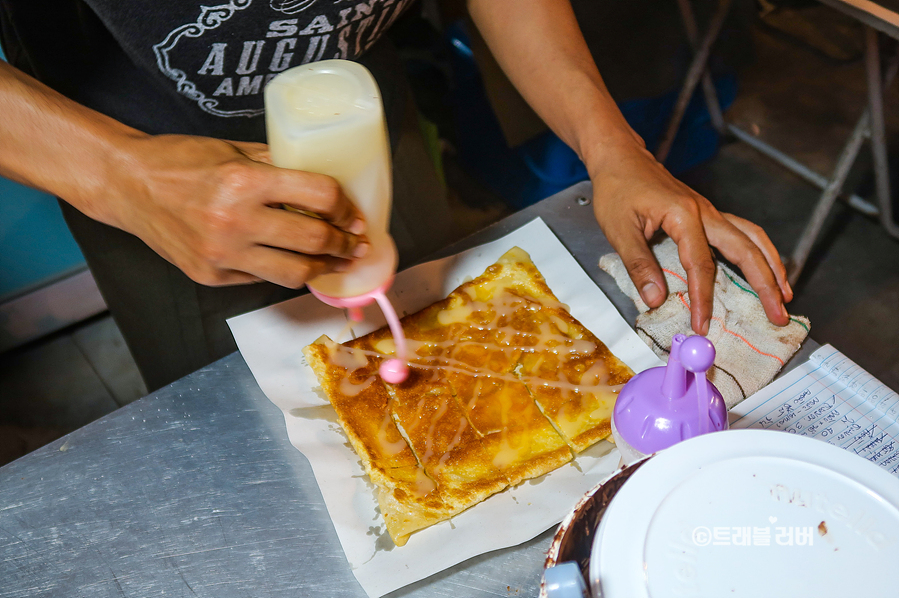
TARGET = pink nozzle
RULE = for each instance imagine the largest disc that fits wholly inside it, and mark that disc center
(393, 371)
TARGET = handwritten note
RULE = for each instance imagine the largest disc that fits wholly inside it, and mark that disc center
(830, 398)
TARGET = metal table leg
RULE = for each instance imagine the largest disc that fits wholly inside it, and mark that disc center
(878, 135)
(708, 86)
(825, 202)
(799, 169)
(870, 124)
(697, 67)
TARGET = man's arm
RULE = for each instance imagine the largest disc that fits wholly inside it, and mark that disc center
(208, 206)
(540, 47)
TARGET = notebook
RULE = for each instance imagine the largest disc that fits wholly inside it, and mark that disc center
(833, 399)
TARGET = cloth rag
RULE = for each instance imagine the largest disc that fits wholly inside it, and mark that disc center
(750, 349)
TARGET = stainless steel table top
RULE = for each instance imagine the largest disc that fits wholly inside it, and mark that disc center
(196, 491)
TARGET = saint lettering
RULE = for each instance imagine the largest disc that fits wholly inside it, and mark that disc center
(282, 28)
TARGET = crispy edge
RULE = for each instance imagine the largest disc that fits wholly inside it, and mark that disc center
(400, 517)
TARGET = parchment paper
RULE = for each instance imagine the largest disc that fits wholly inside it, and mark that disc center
(271, 341)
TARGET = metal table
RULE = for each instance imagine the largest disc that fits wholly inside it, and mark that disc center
(195, 489)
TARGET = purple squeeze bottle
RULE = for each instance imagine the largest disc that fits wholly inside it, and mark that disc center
(661, 406)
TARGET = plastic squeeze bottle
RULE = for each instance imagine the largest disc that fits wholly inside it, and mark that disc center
(327, 117)
(661, 406)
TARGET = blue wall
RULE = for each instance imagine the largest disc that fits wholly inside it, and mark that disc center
(35, 245)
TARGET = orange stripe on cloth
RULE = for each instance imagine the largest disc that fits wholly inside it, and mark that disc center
(723, 327)
(675, 274)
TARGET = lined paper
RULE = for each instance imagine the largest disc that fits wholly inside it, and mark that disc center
(833, 399)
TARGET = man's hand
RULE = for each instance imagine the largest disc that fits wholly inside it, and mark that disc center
(215, 209)
(634, 196)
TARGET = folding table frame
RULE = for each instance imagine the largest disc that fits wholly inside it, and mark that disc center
(876, 19)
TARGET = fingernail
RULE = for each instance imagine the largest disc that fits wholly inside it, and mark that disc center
(651, 293)
(789, 288)
(342, 266)
(705, 327)
(783, 310)
(357, 227)
(361, 250)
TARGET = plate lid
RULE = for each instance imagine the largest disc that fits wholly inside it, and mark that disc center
(750, 513)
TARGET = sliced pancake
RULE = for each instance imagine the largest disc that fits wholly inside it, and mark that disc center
(408, 502)
(519, 440)
(350, 380)
(555, 350)
(492, 314)
(576, 384)
(504, 384)
(348, 377)
(454, 471)
(448, 448)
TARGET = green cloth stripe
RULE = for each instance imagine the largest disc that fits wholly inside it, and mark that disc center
(751, 292)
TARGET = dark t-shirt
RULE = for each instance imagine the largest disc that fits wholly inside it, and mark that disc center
(179, 66)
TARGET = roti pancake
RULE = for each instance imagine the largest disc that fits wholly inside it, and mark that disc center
(449, 449)
(582, 388)
(504, 385)
(349, 380)
(519, 440)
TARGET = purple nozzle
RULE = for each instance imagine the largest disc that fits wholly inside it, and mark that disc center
(674, 385)
(697, 355)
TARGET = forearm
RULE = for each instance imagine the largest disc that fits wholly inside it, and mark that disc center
(541, 49)
(204, 204)
(59, 146)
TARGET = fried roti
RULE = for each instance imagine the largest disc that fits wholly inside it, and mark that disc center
(505, 385)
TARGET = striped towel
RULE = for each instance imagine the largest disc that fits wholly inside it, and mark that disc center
(750, 349)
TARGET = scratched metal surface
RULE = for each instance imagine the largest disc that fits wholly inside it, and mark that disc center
(195, 490)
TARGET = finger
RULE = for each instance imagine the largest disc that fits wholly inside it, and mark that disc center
(204, 273)
(316, 193)
(211, 276)
(741, 251)
(299, 233)
(642, 267)
(286, 268)
(758, 236)
(230, 278)
(695, 256)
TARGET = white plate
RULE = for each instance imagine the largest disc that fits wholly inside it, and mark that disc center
(693, 521)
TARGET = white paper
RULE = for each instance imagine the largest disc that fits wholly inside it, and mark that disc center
(271, 341)
(831, 398)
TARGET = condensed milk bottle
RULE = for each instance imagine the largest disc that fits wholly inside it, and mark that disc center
(327, 117)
